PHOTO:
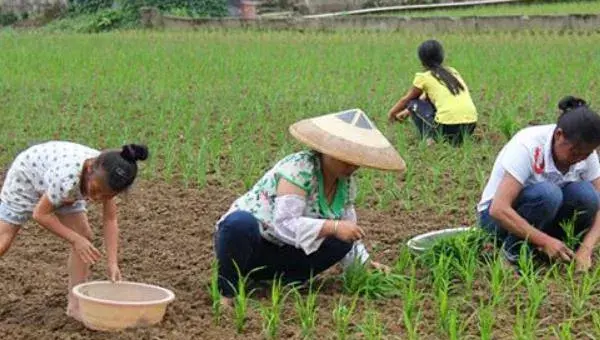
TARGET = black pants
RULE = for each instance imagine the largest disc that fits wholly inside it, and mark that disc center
(238, 241)
(423, 115)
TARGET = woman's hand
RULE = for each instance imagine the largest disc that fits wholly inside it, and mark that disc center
(392, 116)
(583, 258)
(402, 115)
(114, 273)
(86, 251)
(555, 248)
(348, 231)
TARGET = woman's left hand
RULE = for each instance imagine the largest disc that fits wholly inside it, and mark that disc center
(583, 259)
(114, 273)
(381, 267)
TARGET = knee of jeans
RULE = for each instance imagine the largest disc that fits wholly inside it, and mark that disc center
(584, 196)
(340, 246)
(548, 194)
(240, 224)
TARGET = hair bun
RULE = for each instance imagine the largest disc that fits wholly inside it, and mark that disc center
(134, 152)
(569, 103)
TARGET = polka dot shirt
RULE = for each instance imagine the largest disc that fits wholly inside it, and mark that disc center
(52, 168)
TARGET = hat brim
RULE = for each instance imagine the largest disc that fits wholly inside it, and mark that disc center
(384, 158)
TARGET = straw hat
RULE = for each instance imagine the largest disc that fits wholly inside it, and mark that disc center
(349, 136)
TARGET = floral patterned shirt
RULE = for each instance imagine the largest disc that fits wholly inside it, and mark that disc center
(304, 170)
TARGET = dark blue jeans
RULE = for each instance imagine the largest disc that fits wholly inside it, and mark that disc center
(423, 115)
(238, 239)
(545, 206)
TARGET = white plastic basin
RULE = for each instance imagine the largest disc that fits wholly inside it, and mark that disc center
(422, 242)
(107, 306)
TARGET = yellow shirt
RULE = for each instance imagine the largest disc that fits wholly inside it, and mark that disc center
(451, 109)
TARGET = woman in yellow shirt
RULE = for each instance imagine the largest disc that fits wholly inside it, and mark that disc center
(439, 101)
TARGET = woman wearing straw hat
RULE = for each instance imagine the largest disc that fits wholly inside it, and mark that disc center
(299, 218)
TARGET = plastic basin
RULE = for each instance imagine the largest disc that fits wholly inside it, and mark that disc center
(422, 242)
(107, 306)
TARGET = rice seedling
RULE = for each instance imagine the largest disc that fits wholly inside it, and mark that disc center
(373, 284)
(456, 328)
(307, 310)
(467, 263)
(372, 327)
(486, 322)
(580, 288)
(411, 312)
(241, 299)
(563, 330)
(272, 313)
(342, 315)
(215, 294)
(499, 273)
(596, 323)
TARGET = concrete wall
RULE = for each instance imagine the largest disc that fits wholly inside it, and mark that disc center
(585, 23)
(29, 6)
(324, 6)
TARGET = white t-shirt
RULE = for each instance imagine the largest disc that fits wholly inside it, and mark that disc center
(53, 168)
(528, 158)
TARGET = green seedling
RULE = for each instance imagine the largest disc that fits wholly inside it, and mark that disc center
(372, 328)
(342, 315)
(486, 322)
(215, 294)
(241, 299)
(307, 311)
(272, 313)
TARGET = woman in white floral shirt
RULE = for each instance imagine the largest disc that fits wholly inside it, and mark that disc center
(299, 218)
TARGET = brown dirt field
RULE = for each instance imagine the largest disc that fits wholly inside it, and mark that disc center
(166, 239)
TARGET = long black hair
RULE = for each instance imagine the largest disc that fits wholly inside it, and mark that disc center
(579, 123)
(431, 54)
(119, 167)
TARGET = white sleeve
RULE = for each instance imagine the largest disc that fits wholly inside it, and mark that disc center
(292, 228)
(517, 161)
(592, 170)
(358, 250)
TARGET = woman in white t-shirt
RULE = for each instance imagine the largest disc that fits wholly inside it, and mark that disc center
(50, 182)
(541, 178)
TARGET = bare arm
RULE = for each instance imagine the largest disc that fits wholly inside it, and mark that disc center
(413, 93)
(502, 210)
(43, 213)
(111, 230)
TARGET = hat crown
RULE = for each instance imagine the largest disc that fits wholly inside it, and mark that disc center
(349, 136)
(357, 118)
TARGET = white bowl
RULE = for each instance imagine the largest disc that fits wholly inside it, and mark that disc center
(422, 242)
(107, 306)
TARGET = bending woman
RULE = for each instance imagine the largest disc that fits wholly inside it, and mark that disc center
(545, 176)
(299, 218)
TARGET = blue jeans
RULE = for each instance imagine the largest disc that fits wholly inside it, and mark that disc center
(238, 239)
(545, 206)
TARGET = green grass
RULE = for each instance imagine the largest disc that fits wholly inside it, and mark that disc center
(583, 7)
(215, 106)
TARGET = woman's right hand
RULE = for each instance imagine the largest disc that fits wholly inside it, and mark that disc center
(86, 250)
(392, 116)
(555, 248)
(348, 231)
